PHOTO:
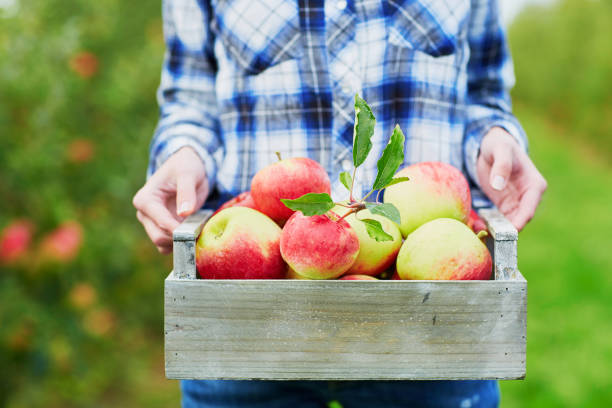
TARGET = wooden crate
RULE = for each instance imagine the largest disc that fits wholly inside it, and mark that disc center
(346, 330)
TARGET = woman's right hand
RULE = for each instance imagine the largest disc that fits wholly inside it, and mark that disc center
(178, 188)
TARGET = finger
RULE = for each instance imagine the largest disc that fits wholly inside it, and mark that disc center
(160, 238)
(157, 212)
(527, 206)
(186, 195)
(502, 167)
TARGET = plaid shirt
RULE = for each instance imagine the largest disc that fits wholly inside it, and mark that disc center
(243, 79)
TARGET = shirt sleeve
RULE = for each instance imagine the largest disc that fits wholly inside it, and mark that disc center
(186, 95)
(490, 78)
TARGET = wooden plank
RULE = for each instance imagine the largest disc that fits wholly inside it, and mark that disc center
(349, 330)
(184, 243)
(191, 227)
(502, 244)
(500, 228)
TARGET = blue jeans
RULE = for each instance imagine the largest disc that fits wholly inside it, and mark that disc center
(346, 394)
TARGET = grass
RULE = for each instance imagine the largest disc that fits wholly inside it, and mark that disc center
(565, 255)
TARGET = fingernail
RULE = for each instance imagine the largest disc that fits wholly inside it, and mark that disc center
(498, 183)
(185, 207)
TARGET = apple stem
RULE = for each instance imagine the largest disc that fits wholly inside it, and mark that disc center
(483, 233)
(278, 154)
(352, 211)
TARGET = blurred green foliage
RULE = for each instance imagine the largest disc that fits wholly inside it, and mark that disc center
(77, 109)
(563, 66)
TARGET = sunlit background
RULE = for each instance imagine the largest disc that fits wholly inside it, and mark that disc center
(81, 286)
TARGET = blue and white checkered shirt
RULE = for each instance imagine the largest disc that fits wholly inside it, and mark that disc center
(243, 79)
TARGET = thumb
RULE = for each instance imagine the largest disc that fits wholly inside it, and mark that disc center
(185, 194)
(501, 167)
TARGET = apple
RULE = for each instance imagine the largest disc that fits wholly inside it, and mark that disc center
(240, 243)
(63, 243)
(435, 190)
(15, 240)
(291, 274)
(357, 277)
(289, 178)
(319, 247)
(476, 223)
(241, 200)
(444, 249)
(374, 256)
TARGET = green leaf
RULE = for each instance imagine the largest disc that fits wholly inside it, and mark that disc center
(376, 231)
(395, 181)
(346, 180)
(310, 204)
(386, 210)
(363, 131)
(391, 159)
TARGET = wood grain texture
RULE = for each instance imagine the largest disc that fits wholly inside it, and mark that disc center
(502, 243)
(184, 242)
(285, 329)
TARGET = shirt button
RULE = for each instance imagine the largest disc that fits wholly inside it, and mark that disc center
(346, 165)
(341, 4)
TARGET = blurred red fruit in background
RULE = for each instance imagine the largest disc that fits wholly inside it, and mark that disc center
(84, 64)
(63, 243)
(15, 240)
(80, 151)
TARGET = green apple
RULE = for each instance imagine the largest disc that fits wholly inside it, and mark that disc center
(374, 256)
(435, 190)
(444, 249)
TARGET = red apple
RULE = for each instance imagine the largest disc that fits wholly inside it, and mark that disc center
(319, 247)
(357, 277)
(63, 243)
(241, 200)
(289, 178)
(435, 190)
(476, 223)
(15, 240)
(444, 249)
(240, 243)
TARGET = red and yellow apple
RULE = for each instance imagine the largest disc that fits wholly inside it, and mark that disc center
(289, 178)
(240, 243)
(291, 274)
(374, 256)
(357, 277)
(319, 247)
(444, 249)
(435, 190)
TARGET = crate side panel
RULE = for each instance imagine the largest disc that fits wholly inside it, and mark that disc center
(345, 330)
